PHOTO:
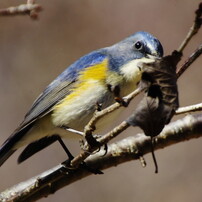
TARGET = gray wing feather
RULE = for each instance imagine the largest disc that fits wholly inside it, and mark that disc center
(44, 103)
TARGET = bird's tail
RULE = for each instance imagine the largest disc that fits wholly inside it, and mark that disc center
(6, 151)
(8, 147)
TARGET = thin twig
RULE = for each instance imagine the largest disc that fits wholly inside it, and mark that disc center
(190, 60)
(30, 1)
(188, 109)
(99, 114)
(194, 28)
(142, 161)
(153, 155)
(30, 8)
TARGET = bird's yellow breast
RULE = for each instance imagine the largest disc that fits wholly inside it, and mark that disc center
(90, 76)
(87, 90)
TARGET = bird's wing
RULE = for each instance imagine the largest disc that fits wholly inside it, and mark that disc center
(43, 104)
(60, 88)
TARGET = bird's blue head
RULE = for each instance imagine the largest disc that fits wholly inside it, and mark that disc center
(146, 44)
(138, 46)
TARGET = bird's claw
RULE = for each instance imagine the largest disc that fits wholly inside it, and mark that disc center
(67, 168)
(105, 149)
(92, 144)
(121, 101)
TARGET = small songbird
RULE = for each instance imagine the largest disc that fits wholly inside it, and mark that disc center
(68, 103)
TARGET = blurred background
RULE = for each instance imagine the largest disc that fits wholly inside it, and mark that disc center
(33, 53)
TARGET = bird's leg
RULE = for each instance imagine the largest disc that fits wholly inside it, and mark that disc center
(91, 140)
(67, 163)
(105, 147)
(73, 130)
(70, 156)
(98, 106)
(88, 136)
(93, 143)
(116, 91)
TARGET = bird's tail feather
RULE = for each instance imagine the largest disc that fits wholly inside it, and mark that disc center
(6, 150)
(4, 155)
(8, 147)
(36, 146)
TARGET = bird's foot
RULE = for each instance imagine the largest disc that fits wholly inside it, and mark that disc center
(91, 143)
(68, 168)
(121, 101)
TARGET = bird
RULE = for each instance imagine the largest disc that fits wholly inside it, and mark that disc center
(68, 103)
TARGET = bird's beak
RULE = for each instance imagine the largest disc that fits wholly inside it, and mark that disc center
(153, 56)
(147, 60)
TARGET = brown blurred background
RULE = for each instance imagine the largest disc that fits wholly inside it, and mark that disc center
(33, 53)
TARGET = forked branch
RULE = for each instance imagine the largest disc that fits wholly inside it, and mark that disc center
(128, 149)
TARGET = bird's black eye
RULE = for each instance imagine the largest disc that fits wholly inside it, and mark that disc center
(138, 45)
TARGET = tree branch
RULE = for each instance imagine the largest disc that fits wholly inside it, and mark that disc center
(190, 60)
(30, 9)
(193, 31)
(188, 109)
(194, 28)
(130, 148)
